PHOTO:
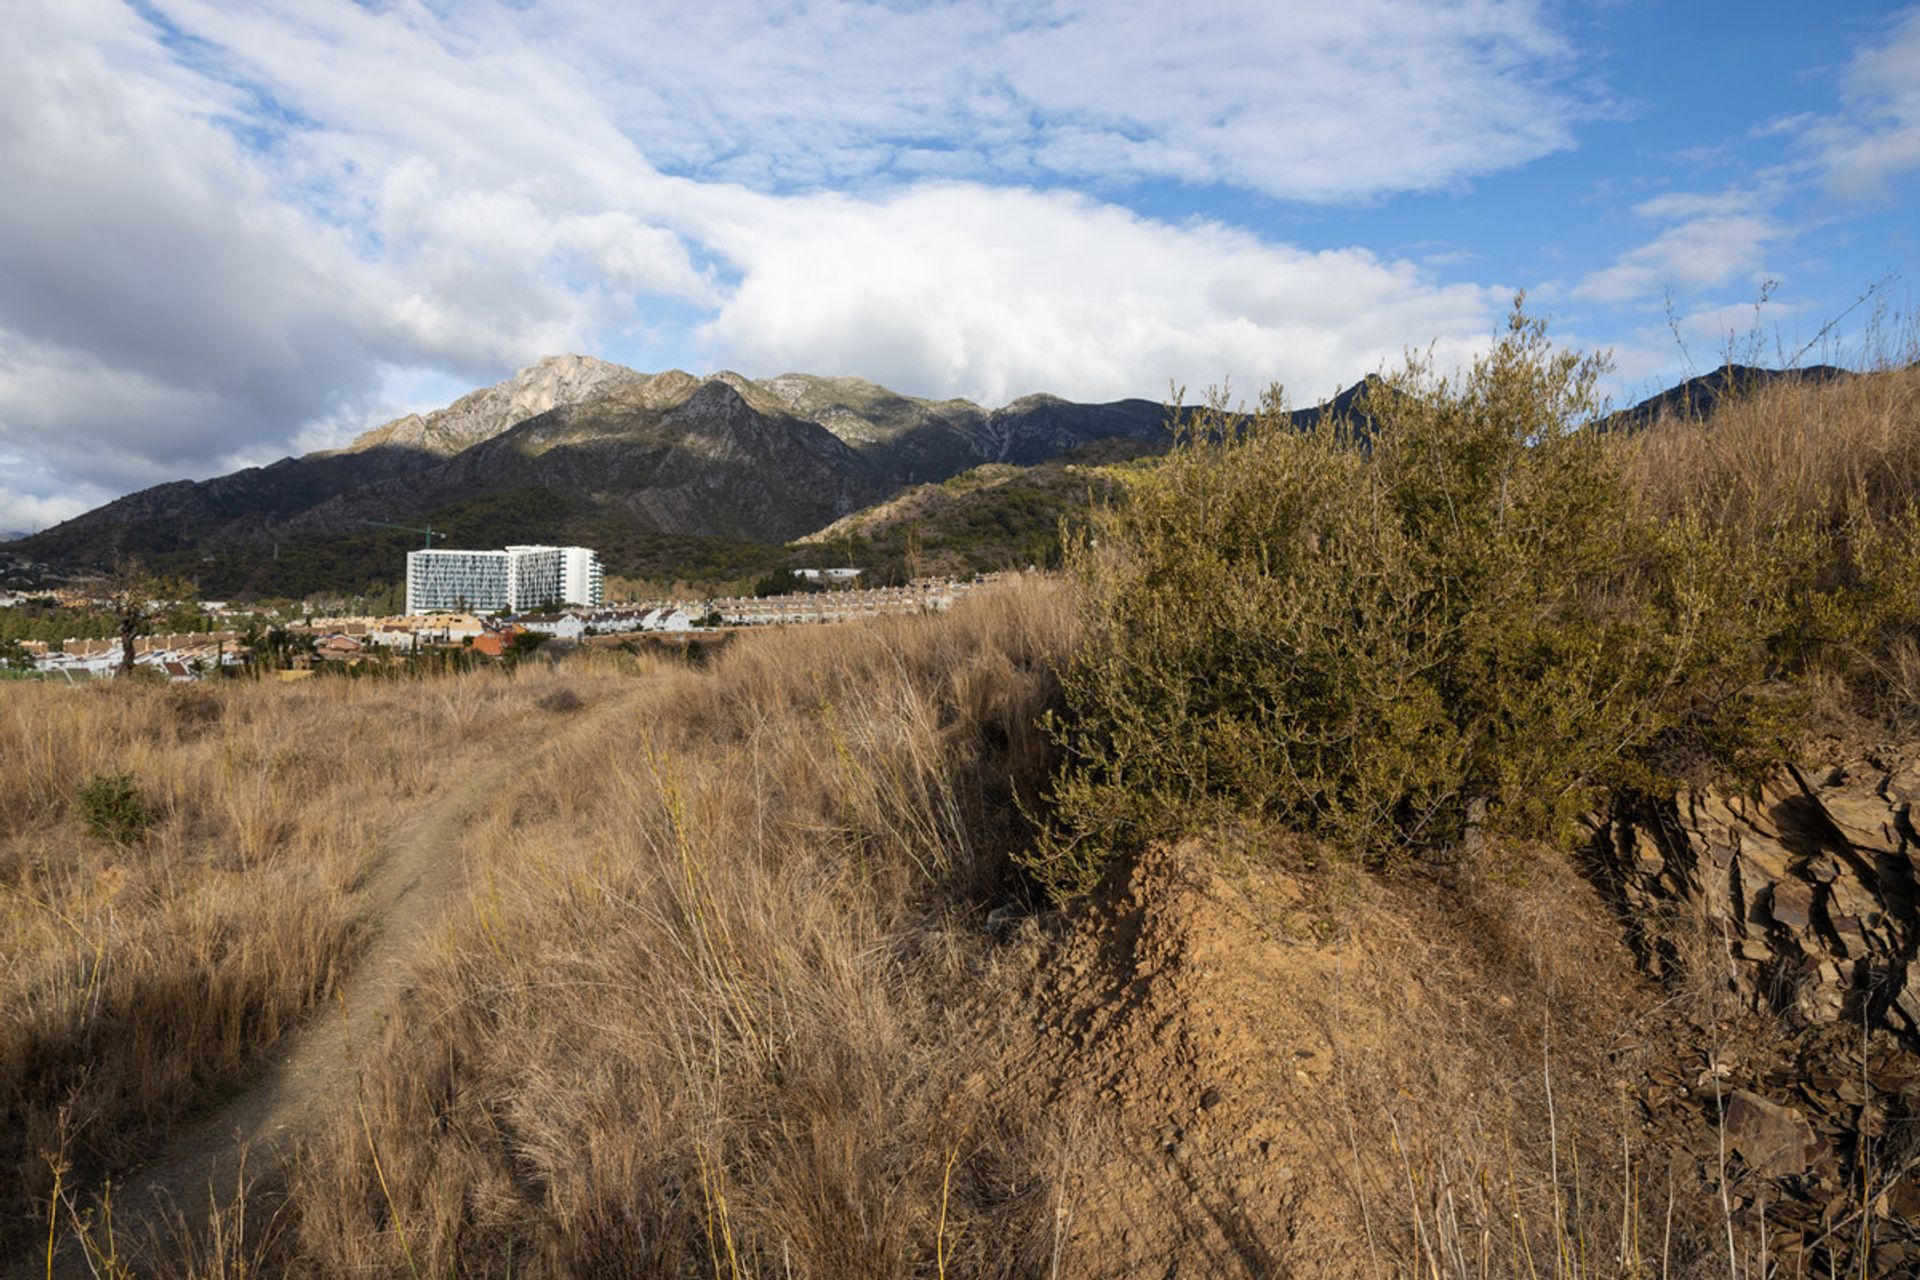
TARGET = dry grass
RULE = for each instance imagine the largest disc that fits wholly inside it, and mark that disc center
(719, 1000)
(1788, 449)
(138, 980)
(703, 1013)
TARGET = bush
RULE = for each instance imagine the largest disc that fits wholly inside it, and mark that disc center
(1465, 618)
(113, 809)
(1818, 486)
(561, 701)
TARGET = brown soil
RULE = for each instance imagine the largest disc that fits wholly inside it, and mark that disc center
(1271, 1073)
(311, 1073)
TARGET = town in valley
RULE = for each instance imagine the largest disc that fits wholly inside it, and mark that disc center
(484, 604)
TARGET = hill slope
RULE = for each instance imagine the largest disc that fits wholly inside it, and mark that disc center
(999, 515)
(1699, 396)
(581, 449)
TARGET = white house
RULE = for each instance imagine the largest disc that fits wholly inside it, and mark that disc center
(561, 626)
(668, 618)
(841, 576)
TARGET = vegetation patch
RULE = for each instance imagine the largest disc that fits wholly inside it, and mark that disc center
(1476, 619)
(113, 808)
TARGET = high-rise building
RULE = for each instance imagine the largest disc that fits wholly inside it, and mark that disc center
(464, 581)
(533, 577)
(581, 581)
(516, 579)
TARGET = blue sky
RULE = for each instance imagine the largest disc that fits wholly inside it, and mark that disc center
(235, 229)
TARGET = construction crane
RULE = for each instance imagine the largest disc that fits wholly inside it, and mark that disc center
(428, 531)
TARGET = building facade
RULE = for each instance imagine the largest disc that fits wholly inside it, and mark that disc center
(536, 577)
(515, 579)
(581, 581)
(458, 580)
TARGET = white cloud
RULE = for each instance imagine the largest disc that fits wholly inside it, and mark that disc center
(1877, 136)
(227, 226)
(30, 513)
(1712, 239)
(994, 293)
(1312, 102)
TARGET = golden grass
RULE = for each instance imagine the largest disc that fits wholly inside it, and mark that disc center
(136, 982)
(1788, 449)
(702, 1014)
(718, 999)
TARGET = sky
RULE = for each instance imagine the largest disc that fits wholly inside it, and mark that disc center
(234, 230)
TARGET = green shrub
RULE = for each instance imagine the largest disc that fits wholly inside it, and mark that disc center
(1463, 618)
(113, 809)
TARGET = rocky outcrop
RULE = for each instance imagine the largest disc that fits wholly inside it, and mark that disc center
(1798, 900)
(1807, 885)
(481, 415)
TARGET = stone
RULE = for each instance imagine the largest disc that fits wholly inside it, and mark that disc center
(1903, 786)
(1792, 904)
(1903, 1198)
(1775, 1141)
(1762, 858)
(1907, 1004)
(1647, 858)
(1853, 939)
(1865, 819)
(1893, 1258)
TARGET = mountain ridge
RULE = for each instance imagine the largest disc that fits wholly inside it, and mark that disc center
(484, 413)
(575, 447)
(1698, 396)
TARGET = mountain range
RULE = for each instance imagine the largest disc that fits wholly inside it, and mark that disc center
(668, 474)
(578, 449)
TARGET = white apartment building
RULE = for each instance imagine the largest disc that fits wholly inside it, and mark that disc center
(533, 577)
(438, 581)
(581, 581)
(515, 579)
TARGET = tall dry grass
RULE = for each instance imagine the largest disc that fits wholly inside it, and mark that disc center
(715, 1006)
(1816, 487)
(139, 980)
(1787, 449)
(717, 1002)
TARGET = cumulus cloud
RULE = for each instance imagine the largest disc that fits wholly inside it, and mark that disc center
(228, 227)
(1710, 240)
(993, 293)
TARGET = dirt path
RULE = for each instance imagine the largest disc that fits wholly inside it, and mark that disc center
(311, 1072)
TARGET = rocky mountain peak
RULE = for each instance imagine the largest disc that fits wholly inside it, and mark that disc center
(547, 384)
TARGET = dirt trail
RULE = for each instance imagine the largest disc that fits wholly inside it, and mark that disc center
(310, 1073)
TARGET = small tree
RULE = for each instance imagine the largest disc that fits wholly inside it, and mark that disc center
(1463, 618)
(134, 595)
